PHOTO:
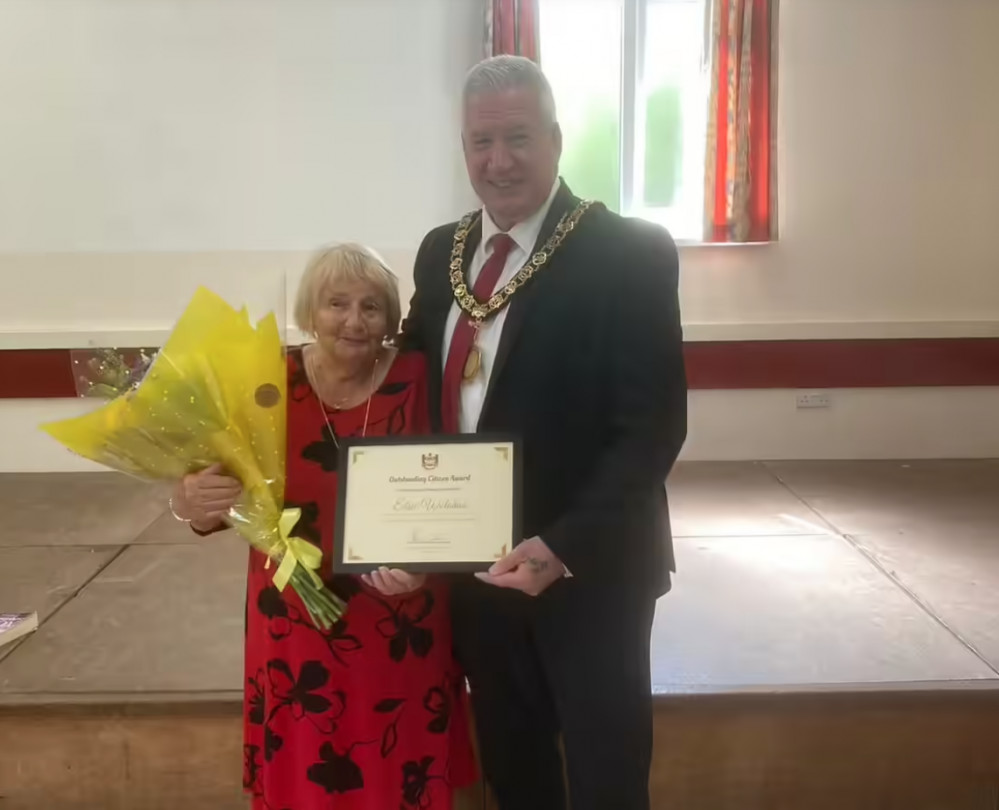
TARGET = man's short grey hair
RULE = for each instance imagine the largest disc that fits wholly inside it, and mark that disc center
(507, 72)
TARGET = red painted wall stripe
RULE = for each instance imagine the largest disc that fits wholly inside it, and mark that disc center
(843, 363)
(729, 365)
(36, 373)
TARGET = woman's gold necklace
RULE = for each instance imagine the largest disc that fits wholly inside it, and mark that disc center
(322, 405)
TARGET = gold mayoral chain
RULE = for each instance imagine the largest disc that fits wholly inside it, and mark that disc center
(479, 311)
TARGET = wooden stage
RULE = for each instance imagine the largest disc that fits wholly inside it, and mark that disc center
(832, 641)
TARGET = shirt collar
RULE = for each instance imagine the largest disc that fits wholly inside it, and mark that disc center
(524, 234)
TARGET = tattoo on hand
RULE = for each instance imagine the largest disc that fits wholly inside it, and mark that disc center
(536, 565)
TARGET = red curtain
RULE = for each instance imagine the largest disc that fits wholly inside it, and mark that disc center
(739, 198)
(512, 27)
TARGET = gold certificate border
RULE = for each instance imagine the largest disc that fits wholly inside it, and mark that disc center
(348, 559)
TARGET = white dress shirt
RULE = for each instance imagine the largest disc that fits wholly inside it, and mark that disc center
(524, 235)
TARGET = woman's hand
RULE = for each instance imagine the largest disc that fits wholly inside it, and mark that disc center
(205, 497)
(393, 582)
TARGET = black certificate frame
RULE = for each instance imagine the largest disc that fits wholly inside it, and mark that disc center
(341, 565)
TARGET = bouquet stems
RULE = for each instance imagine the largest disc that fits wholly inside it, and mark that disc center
(325, 607)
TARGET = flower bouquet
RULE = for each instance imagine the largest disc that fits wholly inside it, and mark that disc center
(214, 394)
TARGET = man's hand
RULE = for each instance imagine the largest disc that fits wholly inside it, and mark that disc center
(531, 567)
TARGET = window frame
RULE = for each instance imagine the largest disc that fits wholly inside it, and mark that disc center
(685, 222)
(632, 60)
(632, 113)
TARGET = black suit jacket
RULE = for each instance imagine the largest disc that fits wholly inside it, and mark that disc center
(590, 374)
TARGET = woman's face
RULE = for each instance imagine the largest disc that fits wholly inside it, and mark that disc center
(351, 321)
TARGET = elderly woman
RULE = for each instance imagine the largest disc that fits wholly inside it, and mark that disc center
(370, 714)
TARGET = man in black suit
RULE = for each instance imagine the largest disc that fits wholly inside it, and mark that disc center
(581, 356)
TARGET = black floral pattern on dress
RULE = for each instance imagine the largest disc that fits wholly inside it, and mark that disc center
(345, 586)
(324, 451)
(271, 604)
(397, 420)
(301, 695)
(390, 389)
(251, 769)
(272, 743)
(438, 703)
(402, 626)
(256, 695)
(390, 736)
(416, 780)
(335, 773)
(340, 642)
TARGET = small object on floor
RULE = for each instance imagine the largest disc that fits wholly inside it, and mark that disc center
(15, 625)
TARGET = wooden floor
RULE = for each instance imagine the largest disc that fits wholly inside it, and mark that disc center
(832, 641)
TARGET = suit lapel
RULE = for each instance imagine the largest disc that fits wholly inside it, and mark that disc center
(563, 201)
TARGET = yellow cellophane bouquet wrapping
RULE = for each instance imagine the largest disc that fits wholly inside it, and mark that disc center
(216, 393)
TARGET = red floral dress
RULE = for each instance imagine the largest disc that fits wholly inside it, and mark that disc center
(372, 713)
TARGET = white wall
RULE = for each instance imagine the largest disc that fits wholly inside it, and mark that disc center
(889, 175)
(150, 146)
(228, 125)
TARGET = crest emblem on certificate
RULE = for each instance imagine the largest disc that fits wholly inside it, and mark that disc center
(430, 461)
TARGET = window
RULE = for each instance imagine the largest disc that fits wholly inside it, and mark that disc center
(631, 88)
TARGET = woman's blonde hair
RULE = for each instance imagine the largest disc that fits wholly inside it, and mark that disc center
(348, 261)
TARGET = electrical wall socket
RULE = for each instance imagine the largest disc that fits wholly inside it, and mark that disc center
(813, 399)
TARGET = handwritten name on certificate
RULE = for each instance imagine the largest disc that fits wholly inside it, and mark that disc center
(449, 505)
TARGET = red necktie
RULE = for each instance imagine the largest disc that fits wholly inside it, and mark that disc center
(464, 333)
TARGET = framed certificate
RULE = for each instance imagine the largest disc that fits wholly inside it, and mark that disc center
(427, 504)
